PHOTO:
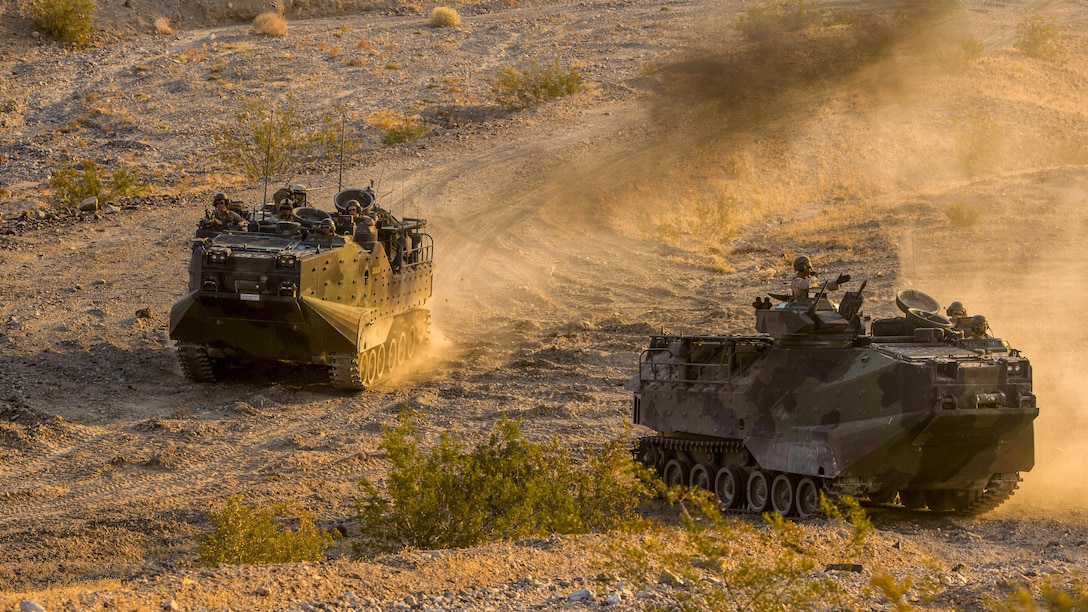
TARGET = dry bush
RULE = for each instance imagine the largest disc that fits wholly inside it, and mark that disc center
(398, 127)
(443, 16)
(68, 21)
(162, 26)
(1040, 37)
(270, 24)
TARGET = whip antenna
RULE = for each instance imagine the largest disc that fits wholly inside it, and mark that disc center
(268, 156)
(340, 180)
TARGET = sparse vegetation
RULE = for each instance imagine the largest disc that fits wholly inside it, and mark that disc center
(73, 184)
(506, 487)
(249, 535)
(398, 127)
(763, 20)
(514, 89)
(162, 26)
(270, 24)
(980, 142)
(443, 17)
(962, 214)
(68, 21)
(1040, 37)
(710, 550)
(268, 138)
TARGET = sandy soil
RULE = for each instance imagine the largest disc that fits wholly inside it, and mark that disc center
(678, 186)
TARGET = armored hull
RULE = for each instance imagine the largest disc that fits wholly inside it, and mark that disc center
(354, 301)
(823, 403)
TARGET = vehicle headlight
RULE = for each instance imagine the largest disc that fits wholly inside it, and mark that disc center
(1014, 369)
(286, 262)
(217, 257)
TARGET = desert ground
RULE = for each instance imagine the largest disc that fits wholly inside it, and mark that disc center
(678, 185)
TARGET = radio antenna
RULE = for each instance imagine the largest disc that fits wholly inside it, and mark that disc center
(340, 180)
(268, 156)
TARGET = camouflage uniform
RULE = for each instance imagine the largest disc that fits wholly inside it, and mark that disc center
(806, 282)
(226, 216)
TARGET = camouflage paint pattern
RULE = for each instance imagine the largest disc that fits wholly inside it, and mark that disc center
(278, 293)
(876, 414)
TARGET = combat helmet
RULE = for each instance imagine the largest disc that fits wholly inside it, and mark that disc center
(956, 307)
(801, 264)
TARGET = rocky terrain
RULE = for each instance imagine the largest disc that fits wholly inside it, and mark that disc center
(678, 185)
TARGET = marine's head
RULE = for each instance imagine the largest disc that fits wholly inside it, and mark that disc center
(219, 199)
(956, 309)
(352, 208)
(802, 265)
(326, 227)
(979, 325)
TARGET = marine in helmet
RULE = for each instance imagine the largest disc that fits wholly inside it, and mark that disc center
(326, 227)
(222, 215)
(283, 211)
(805, 281)
(955, 310)
(980, 328)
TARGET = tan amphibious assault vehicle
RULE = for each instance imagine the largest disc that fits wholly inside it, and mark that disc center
(348, 291)
(823, 400)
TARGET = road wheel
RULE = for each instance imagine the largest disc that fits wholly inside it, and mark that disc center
(808, 498)
(729, 486)
(677, 473)
(758, 491)
(782, 494)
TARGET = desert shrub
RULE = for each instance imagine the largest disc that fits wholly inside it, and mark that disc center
(270, 24)
(162, 26)
(443, 16)
(962, 215)
(514, 89)
(73, 184)
(268, 138)
(1040, 37)
(1072, 596)
(980, 142)
(505, 487)
(408, 129)
(762, 20)
(848, 510)
(248, 535)
(728, 563)
(68, 21)
(972, 48)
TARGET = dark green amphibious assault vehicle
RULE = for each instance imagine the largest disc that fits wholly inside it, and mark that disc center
(304, 285)
(908, 408)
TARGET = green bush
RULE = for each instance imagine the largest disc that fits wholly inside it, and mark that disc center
(514, 89)
(980, 142)
(68, 21)
(408, 128)
(73, 184)
(506, 487)
(763, 20)
(963, 215)
(247, 535)
(761, 568)
(1037, 36)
